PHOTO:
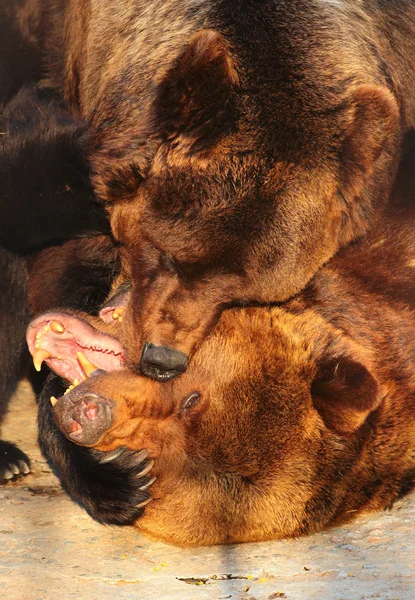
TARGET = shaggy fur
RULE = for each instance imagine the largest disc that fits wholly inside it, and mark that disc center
(289, 419)
(76, 275)
(20, 55)
(237, 148)
(14, 317)
(111, 486)
(45, 192)
(238, 145)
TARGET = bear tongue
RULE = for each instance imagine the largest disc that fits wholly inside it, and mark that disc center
(71, 347)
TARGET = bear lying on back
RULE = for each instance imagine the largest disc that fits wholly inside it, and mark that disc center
(289, 419)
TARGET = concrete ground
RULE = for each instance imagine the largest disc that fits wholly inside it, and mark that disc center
(50, 548)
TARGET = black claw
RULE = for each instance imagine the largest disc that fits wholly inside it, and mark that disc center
(113, 455)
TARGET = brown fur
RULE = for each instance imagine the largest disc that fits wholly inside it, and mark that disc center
(78, 275)
(304, 415)
(238, 146)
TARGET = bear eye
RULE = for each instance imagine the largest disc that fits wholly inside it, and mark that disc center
(190, 401)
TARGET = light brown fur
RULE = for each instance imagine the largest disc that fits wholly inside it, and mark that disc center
(305, 415)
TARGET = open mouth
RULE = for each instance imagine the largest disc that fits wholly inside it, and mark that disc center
(72, 348)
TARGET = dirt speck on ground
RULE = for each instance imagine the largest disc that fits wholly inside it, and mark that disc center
(51, 548)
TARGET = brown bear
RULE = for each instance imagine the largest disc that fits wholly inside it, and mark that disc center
(45, 198)
(237, 145)
(45, 190)
(289, 418)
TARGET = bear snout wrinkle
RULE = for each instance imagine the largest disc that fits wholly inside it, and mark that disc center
(162, 363)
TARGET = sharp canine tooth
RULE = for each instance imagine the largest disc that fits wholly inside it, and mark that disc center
(39, 356)
(118, 312)
(56, 327)
(75, 382)
(86, 364)
(53, 400)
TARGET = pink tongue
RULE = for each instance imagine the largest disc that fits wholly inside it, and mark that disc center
(66, 340)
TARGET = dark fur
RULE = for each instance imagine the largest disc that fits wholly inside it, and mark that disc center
(45, 192)
(13, 322)
(108, 485)
(20, 53)
(289, 419)
(239, 144)
(19, 64)
(246, 109)
(76, 275)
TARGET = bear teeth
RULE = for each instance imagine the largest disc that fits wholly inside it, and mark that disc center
(86, 364)
(57, 327)
(117, 313)
(39, 356)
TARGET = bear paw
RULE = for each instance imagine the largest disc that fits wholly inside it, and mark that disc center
(13, 462)
(112, 486)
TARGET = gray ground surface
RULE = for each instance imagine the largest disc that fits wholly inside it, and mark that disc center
(50, 548)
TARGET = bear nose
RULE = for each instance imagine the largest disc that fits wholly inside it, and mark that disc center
(162, 363)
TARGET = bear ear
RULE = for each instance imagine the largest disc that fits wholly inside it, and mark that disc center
(194, 108)
(372, 119)
(195, 103)
(344, 392)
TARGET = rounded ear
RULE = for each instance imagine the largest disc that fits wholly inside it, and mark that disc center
(373, 118)
(194, 107)
(195, 98)
(344, 392)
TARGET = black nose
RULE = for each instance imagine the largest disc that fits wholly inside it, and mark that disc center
(162, 363)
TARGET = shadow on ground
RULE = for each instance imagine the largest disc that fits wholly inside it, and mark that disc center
(50, 548)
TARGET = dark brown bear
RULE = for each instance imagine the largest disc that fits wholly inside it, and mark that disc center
(238, 144)
(45, 192)
(288, 419)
